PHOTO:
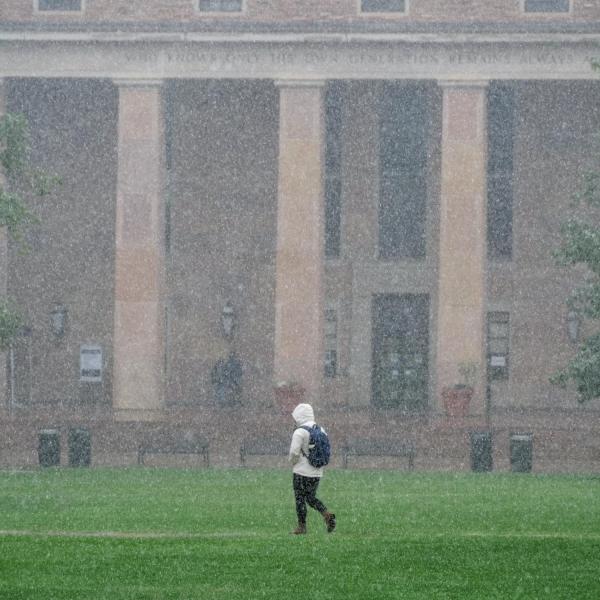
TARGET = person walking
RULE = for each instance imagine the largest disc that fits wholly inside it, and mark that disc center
(306, 477)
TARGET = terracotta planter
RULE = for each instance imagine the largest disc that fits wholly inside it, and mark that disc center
(457, 400)
(288, 396)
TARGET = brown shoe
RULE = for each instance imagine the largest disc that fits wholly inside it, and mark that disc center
(329, 519)
(300, 530)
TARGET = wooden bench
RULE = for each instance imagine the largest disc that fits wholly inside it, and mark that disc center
(366, 447)
(196, 447)
(260, 446)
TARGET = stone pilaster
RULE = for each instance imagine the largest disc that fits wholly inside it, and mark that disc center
(300, 237)
(461, 285)
(139, 319)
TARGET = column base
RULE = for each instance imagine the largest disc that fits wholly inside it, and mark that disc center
(139, 414)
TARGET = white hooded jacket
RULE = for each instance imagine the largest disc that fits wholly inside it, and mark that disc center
(303, 415)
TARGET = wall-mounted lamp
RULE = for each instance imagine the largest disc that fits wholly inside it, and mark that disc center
(228, 320)
(58, 320)
(573, 325)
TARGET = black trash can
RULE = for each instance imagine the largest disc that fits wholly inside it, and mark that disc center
(481, 451)
(80, 448)
(49, 448)
(521, 452)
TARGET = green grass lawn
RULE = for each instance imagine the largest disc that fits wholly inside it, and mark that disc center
(224, 534)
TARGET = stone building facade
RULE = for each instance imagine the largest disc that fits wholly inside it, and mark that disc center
(368, 192)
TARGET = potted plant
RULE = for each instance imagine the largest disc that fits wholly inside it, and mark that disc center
(457, 398)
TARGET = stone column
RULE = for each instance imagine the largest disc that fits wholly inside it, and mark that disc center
(4, 388)
(463, 246)
(300, 237)
(139, 320)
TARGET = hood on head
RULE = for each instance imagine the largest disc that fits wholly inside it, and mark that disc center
(303, 413)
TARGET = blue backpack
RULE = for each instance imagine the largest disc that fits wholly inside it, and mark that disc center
(319, 448)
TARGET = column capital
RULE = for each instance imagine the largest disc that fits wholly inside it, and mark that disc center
(300, 83)
(139, 83)
(463, 83)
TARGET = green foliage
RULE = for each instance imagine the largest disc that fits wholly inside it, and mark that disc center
(134, 534)
(44, 183)
(15, 215)
(10, 323)
(14, 144)
(583, 370)
(581, 246)
(21, 176)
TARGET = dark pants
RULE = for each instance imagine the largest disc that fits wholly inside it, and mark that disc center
(305, 490)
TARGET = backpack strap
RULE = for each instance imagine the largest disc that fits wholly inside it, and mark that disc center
(309, 429)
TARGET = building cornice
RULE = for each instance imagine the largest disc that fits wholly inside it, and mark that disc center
(294, 38)
(297, 56)
(342, 28)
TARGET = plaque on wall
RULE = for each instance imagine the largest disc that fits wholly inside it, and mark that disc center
(90, 363)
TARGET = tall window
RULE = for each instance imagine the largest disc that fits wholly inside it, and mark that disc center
(59, 5)
(220, 5)
(400, 334)
(501, 133)
(547, 6)
(498, 338)
(330, 343)
(21, 367)
(402, 171)
(333, 169)
(383, 6)
(169, 117)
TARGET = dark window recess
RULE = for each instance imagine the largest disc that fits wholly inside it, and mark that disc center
(220, 5)
(498, 345)
(402, 171)
(333, 170)
(381, 6)
(501, 134)
(547, 6)
(59, 5)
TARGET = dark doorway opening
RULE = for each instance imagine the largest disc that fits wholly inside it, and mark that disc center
(400, 367)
